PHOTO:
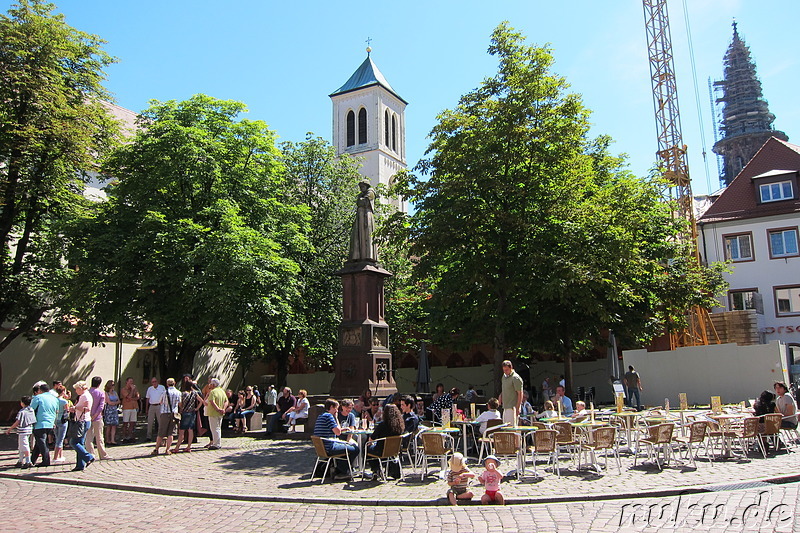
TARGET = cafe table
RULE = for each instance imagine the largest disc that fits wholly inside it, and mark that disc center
(630, 425)
(361, 436)
(725, 420)
(463, 425)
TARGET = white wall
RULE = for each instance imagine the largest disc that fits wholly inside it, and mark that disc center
(763, 273)
(733, 372)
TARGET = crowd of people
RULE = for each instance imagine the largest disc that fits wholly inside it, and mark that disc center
(95, 416)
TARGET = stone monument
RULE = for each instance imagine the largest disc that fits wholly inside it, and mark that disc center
(363, 359)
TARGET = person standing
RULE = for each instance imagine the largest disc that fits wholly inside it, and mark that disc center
(511, 393)
(45, 405)
(166, 418)
(547, 393)
(215, 410)
(111, 413)
(83, 416)
(95, 433)
(633, 382)
(153, 396)
(130, 408)
(271, 400)
(24, 423)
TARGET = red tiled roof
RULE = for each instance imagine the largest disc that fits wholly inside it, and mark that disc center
(738, 201)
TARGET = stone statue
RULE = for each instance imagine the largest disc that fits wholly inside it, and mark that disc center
(362, 247)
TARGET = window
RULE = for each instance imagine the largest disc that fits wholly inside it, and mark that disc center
(351, 128)
(742, 299)
(362, 126)
(787, 300)
(783, 242)
(739, 247)
(394, 133)
(386, 127)
(772, 192)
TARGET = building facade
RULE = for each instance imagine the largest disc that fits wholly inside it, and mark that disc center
(754, 225)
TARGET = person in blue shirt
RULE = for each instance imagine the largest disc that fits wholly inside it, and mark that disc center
(566, 403)
(45, 405)
(327, 427)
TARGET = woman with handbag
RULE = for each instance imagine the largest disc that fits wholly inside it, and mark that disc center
(168, 418)
(189, 405)
(80, 425)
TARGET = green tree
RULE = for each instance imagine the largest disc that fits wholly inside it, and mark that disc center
(197, 240)
(532, 236)
(326, 186)
(53, 128)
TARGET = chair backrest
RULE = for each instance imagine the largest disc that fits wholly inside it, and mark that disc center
(538, 425)
(544, 440)
(433, 443)
(665, 432)
(698, 431)
(772, 423)
(564, 431)
(319, 447)
(506, 442)
(652, 433)
(750, 427)
(580, 418)
(491, 426)
(604, 437)
(392, 446)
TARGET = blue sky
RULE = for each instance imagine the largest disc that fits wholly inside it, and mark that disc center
(283, 59)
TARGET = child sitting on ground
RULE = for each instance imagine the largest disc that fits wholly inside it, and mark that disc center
(26, 418)
(458, 479)
(491, 479)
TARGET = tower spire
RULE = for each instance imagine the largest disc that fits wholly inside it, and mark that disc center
(746, 120)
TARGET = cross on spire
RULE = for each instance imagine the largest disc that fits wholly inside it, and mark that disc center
(369, 48)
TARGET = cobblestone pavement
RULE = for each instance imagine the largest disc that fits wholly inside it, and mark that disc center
(37, 507)
(279, 470)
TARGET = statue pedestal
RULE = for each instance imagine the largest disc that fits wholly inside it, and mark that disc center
(363, 359)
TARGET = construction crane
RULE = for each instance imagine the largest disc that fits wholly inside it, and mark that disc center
(672, 154)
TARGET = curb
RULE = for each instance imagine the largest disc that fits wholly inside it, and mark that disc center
(660, 493)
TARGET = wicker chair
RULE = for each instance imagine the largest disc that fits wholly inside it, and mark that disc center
(434, 446)
(603, 438)
(657, 443)
(486, 439)
(544, 443)
(772, 429)
(392, 448)
(566, 439)
(748, 434)
(698, 431)
(509, 444)
(324, 457)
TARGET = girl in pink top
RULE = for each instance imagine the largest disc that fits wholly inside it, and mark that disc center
(82, 410)
(491, 479)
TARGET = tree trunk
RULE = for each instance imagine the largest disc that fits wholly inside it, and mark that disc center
(568, 372)
(499, 347)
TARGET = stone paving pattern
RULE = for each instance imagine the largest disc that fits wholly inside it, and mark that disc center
(37, 507)
(276, 470)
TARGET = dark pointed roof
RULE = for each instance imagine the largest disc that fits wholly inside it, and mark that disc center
(366, 75)
(738, 200)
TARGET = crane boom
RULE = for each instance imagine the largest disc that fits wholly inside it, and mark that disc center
(672, 151)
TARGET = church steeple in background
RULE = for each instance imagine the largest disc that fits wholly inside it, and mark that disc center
(746, 120)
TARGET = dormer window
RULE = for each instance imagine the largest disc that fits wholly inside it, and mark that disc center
(772, 192)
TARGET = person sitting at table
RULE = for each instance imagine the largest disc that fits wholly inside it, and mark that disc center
(580, 411)
(362, 404)
(566, 403)
(346, 416)
(526, 411)
(438, 392)
(445, 401)
(785, 405)
(374, 413)
(392, 425)
(410, 418)
(549, 411)
(327, 427)
(471, 394)
(491, 414)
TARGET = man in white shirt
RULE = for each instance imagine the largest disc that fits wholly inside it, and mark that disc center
(153, 398)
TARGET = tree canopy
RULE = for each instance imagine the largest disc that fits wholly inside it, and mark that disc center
(199, 237)
(53, 129)
(532, 236)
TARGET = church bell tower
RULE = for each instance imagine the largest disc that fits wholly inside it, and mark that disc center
(369, 123)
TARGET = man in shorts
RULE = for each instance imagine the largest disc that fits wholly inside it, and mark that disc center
(130, 410)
